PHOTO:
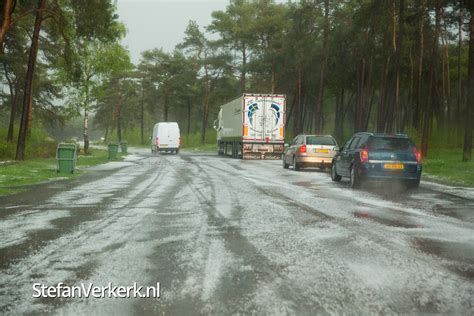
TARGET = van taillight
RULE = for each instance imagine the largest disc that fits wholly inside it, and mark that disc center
(417, 155)
(364, 155)
(303, 149)
(157, 141)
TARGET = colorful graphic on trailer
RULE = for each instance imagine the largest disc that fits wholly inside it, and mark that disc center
(271, 117)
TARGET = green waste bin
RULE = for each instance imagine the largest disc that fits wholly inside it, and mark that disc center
(124, 147)
(66, 157)
(113, 150)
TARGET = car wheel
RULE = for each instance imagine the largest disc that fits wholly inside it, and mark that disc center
(355, 180)
(177, 151)
(334, 176)
(296, 166)
(285, 165)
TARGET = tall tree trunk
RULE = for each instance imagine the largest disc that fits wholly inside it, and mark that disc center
(419, 74)
(86, 128)
(339, 117)
(244, 69)
(6, 21)
(273, 77)
(369, 111)
(383, 96)
(428, 115)
(27, 97)
(205, 112)
(142, 117)
(410, 100)
(397, 117)
(297, 125)
(86, 118)
(188, 125)
(467, 150)
(459, 87)
(166, 107)
(13, 110)
(106, 134)
(318, 112)
(13, 86)
(448, 73)
(118, 110)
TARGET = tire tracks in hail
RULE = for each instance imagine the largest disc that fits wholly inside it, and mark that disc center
(244, 288)
(70, 241)
(379, 234)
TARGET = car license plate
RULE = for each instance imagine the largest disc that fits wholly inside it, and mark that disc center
(164, 145)
(322, 151)
(393, 166)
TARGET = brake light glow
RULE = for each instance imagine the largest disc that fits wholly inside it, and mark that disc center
(364, 155)
(417, 155)
(303, 149)
(157, 141)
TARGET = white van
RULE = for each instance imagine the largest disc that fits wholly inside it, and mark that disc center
(166, 137)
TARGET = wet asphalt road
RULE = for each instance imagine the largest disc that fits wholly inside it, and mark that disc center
(229, 236)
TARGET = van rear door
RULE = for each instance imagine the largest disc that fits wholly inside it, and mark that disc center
(168, 134)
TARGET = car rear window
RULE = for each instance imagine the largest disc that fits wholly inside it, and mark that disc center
(390, 144)
(320, 140)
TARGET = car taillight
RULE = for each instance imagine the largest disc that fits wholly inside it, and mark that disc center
(417, 155)
(303, 149)
(364, 155)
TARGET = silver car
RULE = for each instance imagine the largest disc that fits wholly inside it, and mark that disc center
(310, 151)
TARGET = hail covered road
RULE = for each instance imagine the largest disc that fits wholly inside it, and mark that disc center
(230, 236)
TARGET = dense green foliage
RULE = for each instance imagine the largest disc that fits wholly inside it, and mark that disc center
(345, 66)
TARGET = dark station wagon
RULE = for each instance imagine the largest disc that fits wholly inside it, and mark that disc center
(369, 156)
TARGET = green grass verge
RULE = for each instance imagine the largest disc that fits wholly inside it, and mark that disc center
(16, 175)
(201, 148)
(445, 165)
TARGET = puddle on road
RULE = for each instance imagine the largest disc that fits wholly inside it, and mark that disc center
(456, 211)
(305, 184)
(460, 255)
(386, 221)
(304, 218)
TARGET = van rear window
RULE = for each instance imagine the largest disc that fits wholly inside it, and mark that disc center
(320, 140)
(390, 144)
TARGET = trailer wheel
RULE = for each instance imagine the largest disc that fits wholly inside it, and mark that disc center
(234, 150)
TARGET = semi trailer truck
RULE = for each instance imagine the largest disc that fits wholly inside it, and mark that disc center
(252, 127)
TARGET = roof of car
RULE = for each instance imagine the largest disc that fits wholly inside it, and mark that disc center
(383, 134)
(316, 135)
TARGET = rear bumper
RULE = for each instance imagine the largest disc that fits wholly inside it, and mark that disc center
(314, 161)
(413, 173)
(269, 151)
(166, 148)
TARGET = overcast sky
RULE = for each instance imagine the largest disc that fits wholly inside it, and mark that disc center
(161, 23)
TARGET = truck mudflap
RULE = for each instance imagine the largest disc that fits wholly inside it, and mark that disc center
(262, 151)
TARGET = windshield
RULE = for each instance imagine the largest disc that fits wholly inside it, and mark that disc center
(390, 144)
(320, 140)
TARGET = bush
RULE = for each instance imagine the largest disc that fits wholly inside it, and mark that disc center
(38, 144)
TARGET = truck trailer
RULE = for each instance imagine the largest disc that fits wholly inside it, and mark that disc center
(252, 127)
